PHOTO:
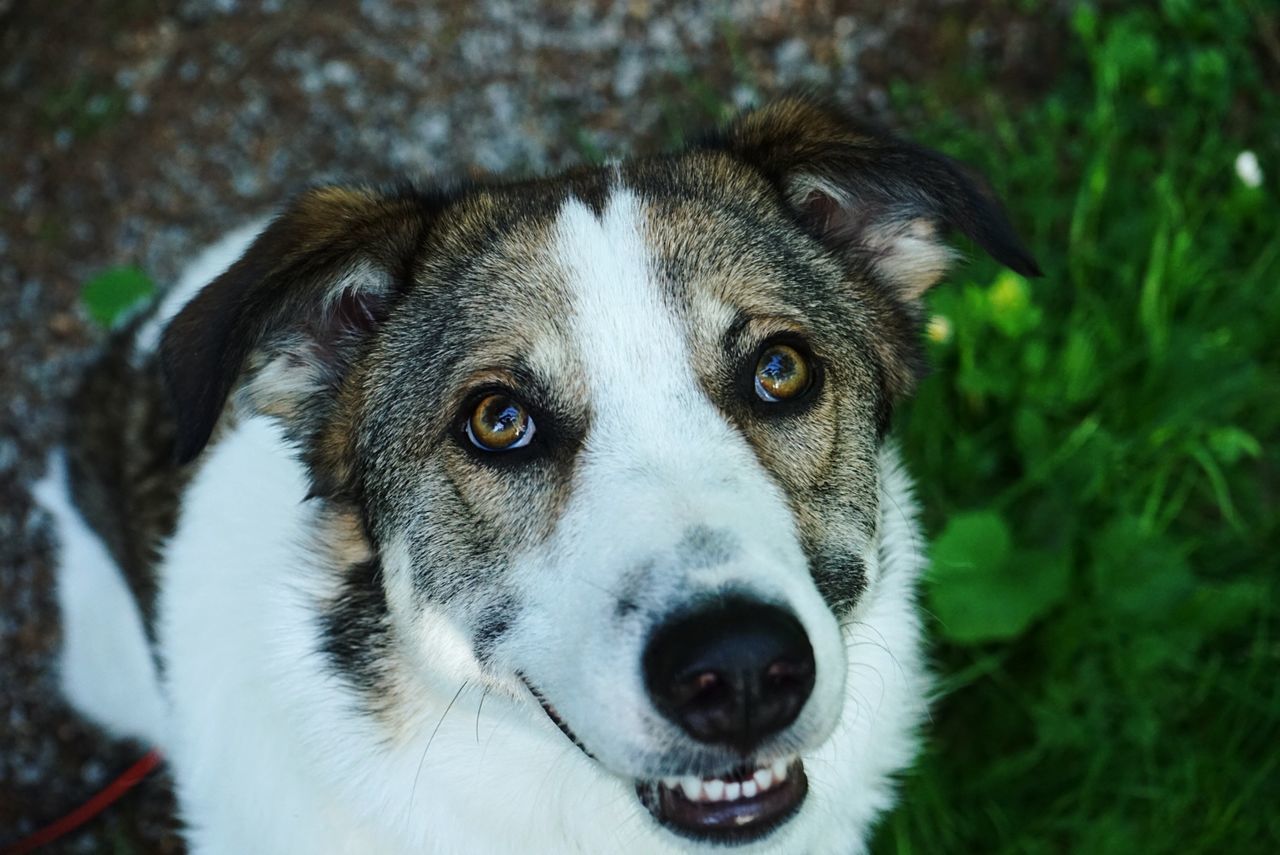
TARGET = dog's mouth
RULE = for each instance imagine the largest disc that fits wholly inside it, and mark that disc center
(738, 807)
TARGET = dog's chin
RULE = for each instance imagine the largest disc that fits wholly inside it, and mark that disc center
(740, 806)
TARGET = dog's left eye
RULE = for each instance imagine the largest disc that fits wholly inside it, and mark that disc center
(782, 373)
(499, 423)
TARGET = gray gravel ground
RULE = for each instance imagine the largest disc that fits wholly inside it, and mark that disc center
(135, 131)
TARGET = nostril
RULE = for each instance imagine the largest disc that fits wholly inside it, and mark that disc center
(789, 672)
(706, 708)
(733, 674)
(705, 688)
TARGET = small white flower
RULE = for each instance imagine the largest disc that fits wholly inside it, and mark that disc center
(1248, 169)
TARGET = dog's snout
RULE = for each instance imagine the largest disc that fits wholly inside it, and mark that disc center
(733, 674)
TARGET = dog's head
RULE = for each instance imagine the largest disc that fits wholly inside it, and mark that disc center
(612, 436)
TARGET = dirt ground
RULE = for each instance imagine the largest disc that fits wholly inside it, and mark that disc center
(135, 131)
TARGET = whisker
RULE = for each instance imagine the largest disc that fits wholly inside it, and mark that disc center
(883, 644)
(413, 792)
(494, 732)
(479, 707)
(874, 670)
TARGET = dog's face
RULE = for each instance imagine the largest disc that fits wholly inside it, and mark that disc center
(612, 437)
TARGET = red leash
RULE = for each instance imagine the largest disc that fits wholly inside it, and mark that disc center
(102, 800)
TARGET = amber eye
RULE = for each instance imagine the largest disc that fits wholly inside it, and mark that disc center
(782, 373)
(499, 423)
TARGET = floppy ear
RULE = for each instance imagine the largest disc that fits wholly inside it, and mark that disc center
(868, 195)
(293, 310)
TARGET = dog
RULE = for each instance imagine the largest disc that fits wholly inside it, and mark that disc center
(533, 515)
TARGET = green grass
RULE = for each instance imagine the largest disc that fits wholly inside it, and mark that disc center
(1096, 456)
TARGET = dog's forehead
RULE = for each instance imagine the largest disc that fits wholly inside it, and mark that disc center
(623, 323)
(629, 269)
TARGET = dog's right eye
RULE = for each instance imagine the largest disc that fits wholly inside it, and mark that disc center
(499, 422)
(782, 373)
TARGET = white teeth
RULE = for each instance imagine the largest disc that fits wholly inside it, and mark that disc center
(763, 778)
(698, 789)
(692, 786)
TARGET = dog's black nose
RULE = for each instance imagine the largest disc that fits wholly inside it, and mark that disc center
(732, 674)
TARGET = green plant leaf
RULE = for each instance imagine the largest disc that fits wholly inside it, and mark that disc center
(1139, 575)
(112, 293)
(1230, 444)
(981, 589)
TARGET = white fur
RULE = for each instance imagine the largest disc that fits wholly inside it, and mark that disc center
(911, 255)
(105, 667)
(271, 753)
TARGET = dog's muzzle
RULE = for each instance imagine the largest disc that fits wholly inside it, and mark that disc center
(733, 675)
(730, 675)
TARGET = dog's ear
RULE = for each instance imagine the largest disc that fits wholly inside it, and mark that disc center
(294, 308)
(864, 193)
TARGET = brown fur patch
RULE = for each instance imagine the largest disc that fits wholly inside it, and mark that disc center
(119, 443)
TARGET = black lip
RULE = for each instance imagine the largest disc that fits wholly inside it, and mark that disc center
(736, 822)
(555, 718)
